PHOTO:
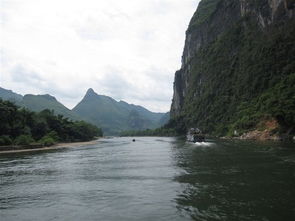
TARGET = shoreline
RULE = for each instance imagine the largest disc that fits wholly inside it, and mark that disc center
(53, 147)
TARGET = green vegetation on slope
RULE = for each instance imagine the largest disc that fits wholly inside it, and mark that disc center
(114, 117)
(11, 96)
(22, 127)
(277, 102)
(205, 9)
(246, 74)
(100, 110)
(41, 102)
(38, 103)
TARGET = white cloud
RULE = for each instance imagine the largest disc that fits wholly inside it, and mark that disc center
(127, 49)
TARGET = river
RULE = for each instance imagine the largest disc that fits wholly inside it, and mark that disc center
(150, 179)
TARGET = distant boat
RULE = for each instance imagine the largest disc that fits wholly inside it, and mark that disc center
(195, 135)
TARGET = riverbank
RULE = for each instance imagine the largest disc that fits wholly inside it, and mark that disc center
(53, 147)
(265, 130)
(261, 136)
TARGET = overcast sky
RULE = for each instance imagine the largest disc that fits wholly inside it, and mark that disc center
(126, 49)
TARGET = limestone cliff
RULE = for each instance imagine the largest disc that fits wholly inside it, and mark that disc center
(224, 53)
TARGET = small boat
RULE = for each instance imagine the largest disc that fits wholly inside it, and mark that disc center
(195, 135)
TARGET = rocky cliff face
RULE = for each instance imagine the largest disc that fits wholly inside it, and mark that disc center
(199, 34)
(225, 15)
(213, 20)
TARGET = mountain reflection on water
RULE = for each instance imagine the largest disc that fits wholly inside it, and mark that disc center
(153, 178)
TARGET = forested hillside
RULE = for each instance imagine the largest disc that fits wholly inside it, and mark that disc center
(238, 68)
(20, 126)
(103, 111)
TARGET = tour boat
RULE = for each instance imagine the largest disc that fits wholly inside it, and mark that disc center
(195, 135)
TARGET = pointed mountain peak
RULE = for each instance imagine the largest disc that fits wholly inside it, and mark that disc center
(90, 93)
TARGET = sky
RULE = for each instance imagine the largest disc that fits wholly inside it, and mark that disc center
(126, 49)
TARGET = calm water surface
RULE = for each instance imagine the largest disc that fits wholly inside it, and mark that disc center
(151, 179)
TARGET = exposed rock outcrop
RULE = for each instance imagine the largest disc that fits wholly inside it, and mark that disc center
(265, 130)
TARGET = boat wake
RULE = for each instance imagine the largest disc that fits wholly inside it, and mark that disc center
(203, 144)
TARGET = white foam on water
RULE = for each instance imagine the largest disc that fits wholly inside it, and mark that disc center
(207, 144)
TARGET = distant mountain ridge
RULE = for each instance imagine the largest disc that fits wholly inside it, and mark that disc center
(40, 102)
(103, 111)
(114, 116)
(10, 95)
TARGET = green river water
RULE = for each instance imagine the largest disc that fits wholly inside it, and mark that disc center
(154, 178)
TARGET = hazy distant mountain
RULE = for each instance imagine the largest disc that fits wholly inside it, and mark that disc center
(114, 116)
(40, 102)
(142, 111)
(11, 96)
(165, 118)
(105, 112)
